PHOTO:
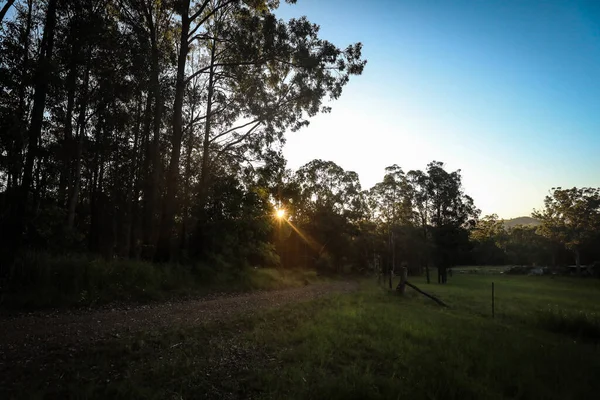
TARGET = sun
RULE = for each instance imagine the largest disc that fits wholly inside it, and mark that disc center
(280, 213)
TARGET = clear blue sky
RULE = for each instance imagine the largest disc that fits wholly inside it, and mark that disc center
(506, 90)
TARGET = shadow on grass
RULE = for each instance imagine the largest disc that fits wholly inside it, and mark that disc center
(580, 325)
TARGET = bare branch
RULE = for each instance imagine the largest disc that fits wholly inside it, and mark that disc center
(233, 129)
(239, 140)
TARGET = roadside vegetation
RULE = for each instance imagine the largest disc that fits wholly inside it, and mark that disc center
(41, 280)
(370, 344)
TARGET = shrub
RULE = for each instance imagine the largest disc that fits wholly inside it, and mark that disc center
(38, 280)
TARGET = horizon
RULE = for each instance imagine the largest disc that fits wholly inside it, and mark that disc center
(502, 91)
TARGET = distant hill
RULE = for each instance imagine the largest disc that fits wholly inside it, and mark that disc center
(510, 223)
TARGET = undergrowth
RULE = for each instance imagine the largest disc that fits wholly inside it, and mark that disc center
(40, 280)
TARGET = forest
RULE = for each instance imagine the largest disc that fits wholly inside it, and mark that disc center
(152, 130)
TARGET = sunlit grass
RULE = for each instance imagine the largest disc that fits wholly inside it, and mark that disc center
(371, 344)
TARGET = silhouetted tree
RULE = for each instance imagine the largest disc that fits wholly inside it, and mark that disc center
(571, 217)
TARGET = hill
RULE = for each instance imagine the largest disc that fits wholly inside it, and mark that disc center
(510, 223)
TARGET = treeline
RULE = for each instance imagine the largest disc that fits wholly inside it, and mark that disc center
(152, 129)
(420, 218)
(568, 234)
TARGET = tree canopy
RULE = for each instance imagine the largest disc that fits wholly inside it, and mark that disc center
(153, 130)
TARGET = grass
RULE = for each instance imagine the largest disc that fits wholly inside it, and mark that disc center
(44, 281)
(371, 344)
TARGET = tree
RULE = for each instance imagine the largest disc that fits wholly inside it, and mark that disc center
(391, 203)
(329, 206)
(41, 83)
(524, 246)
(451, 214)
(419, 186)
(123, 120)
(490, 241)
(263, 77)
(571, 217)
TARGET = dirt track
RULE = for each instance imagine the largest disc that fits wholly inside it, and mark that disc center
(25, 337)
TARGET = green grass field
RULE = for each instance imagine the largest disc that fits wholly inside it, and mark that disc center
(370, 344)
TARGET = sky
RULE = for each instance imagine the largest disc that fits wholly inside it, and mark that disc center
(507, 91)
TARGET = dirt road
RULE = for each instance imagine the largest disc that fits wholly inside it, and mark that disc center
(25, 337)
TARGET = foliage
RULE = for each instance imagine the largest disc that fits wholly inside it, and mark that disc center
(74, 280)
(571, 217)
(126, 120)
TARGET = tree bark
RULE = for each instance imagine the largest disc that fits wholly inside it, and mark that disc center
(42, 76)
(147, 213)
(207, 128)
(81, 122)
(132, 186)
(186, 195)
(167, 218)
(65, 173)
(15, 152)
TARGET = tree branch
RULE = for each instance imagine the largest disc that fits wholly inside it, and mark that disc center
(4, 10)
(232, 129)
(241, 139)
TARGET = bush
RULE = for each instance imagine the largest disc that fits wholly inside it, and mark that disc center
(38, 280)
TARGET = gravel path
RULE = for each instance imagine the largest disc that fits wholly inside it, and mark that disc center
(34, 334)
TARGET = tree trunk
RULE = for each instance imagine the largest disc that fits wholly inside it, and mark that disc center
(81, 122)
(577, 261)
(65, 173)
(153, 185)
(42, 78)
(186, 195)
(132, 186)
(207, 128)
(167, 218)
(139, 224)
(147, 213)
(15, 156)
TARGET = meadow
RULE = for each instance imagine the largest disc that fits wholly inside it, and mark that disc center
(368, 344)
